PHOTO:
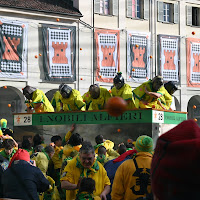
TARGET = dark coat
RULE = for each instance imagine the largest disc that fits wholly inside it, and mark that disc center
(23, 181)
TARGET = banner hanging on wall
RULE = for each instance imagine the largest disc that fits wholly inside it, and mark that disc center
(169, 57)
(13, 49)
(193, 62)
(138, 56)
(59, 50)
(107, 54)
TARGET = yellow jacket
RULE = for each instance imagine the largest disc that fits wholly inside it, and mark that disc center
(125, 93)
(56, 159)
(99, 103)
(107, 144)
(140, 95)
(67, 150)
(40, 97)
(127, 184)
(42, 161)
(72, 174)
(56, 101)
(74, 102)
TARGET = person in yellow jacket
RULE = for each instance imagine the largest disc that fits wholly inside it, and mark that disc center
(74, 144)
(152, 94)
(71, 99)
(42, 158)
(123, 90)
(36, 100)
(86, 190)
(55, 101)
(132, 178)
(85, 165)
(99, 139)
(96, 97)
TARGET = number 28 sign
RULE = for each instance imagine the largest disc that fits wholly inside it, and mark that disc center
(158, 116)
(23, 120)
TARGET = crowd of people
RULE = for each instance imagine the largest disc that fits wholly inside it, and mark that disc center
(151, 94)
(71, 168)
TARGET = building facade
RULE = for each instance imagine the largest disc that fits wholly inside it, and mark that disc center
(140, 38)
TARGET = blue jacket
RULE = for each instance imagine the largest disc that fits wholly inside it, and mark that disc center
(23, 181)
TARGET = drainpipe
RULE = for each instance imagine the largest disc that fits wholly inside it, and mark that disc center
(78, 59)
(93, 69)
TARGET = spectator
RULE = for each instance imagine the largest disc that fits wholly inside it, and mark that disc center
(9, 150)
(74, 144)
(81, 166)
(42, 158)
(38, 139)
(112, 165)
(86, 189)
(26, 145)
(22, 180)
(132, 179)
(175, 170)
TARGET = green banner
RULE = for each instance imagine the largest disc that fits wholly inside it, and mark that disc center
(134, 116)
(174, 118)
(100, 117)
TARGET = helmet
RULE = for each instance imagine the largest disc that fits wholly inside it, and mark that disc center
(170, 87)
(28, 91)
(94, 91)
(65, 91)
(118, 81)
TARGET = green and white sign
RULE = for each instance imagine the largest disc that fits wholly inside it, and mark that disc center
(100, 117)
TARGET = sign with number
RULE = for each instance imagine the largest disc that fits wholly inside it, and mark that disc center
(23, 120)
(158, 116)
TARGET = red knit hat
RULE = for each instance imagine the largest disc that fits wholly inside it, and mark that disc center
(21, 154)
(175, 166)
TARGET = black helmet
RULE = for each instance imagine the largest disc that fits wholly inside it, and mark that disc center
(118, 80)
(28, 92)
(170, 87)
(94, 91)
(65, 91)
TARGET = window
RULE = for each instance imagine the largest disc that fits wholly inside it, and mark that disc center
(138, 9)
(106, 7)
(168, 12)
(193, 16)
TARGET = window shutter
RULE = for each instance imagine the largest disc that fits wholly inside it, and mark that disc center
(97, 6)
(115, 7)
(146, 9)
(129, 8)
(189, 15)
(176, 13)
(160, 11)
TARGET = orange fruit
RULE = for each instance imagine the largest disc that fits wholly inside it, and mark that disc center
(116, 106)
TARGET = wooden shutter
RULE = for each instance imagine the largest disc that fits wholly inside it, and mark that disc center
(97, 6)
(189, 15)
(176, 13)
(160, 11)
(146, 9)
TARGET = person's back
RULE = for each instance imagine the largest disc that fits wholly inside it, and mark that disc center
(22, 180)
(132, 179)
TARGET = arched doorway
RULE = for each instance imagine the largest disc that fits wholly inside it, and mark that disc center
(177, 104)
(193, 108)
(11, 101)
